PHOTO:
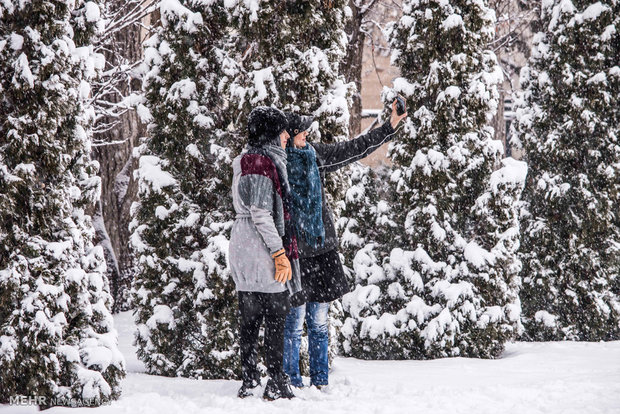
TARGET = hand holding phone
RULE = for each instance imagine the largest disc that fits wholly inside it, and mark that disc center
(399, 111)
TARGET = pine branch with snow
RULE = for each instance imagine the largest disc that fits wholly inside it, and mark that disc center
(289, 54)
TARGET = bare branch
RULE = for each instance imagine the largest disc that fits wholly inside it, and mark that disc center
(372, 53)
(365, 8)
(392, 4)
(103, 143)
(115, 82)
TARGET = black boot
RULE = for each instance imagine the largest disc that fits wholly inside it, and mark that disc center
(247, 388)
(278, 387)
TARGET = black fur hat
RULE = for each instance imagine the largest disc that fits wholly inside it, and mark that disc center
(265, 125)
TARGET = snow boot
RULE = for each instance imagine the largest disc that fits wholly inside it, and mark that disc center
(278, 388)
(247, 388)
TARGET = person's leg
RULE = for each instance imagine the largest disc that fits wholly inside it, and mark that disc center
(318, 337)
(276, 309)
(293, 328)
(250, 321)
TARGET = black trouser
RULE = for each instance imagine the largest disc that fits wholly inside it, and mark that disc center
(254, 306)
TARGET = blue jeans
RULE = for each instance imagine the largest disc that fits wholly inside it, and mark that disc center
(315, 314)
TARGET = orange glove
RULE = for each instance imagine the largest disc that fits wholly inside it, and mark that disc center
(283, 266)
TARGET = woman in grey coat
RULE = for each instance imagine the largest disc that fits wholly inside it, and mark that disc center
(263, 254)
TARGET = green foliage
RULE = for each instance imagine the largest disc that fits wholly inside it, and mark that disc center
(184, 297)
(290, 54)
(57, 338)
(443, 280)
(568, 124)
(366, 216)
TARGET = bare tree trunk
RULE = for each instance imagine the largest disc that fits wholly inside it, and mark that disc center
(113, 149)
(499, 123)
(119, 190)
(352, 65)
(515, 20)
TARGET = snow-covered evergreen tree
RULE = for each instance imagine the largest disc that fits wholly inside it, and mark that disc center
(568, 124)
(444, 281)
(183, 294)
(290, 54)
(57, 338)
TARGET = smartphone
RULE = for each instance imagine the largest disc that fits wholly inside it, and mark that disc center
(400, 105)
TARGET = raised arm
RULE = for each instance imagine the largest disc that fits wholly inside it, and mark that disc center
(338, 155)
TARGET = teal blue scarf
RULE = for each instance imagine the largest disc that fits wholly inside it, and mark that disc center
(307, 203)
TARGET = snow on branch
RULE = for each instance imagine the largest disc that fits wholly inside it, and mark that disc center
(113, 93)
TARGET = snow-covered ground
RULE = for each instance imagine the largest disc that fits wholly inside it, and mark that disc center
(530, 378)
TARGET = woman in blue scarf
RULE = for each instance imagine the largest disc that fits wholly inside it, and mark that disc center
(322, 275)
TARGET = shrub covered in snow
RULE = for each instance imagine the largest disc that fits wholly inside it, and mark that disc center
(57, 338)
(290, 54)
(444, 281)
(184, 297)
(366, 215)
(568, 124)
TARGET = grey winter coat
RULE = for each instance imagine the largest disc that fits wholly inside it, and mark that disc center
(259, 225)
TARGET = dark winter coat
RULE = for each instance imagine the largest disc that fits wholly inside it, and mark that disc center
(322, 274)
